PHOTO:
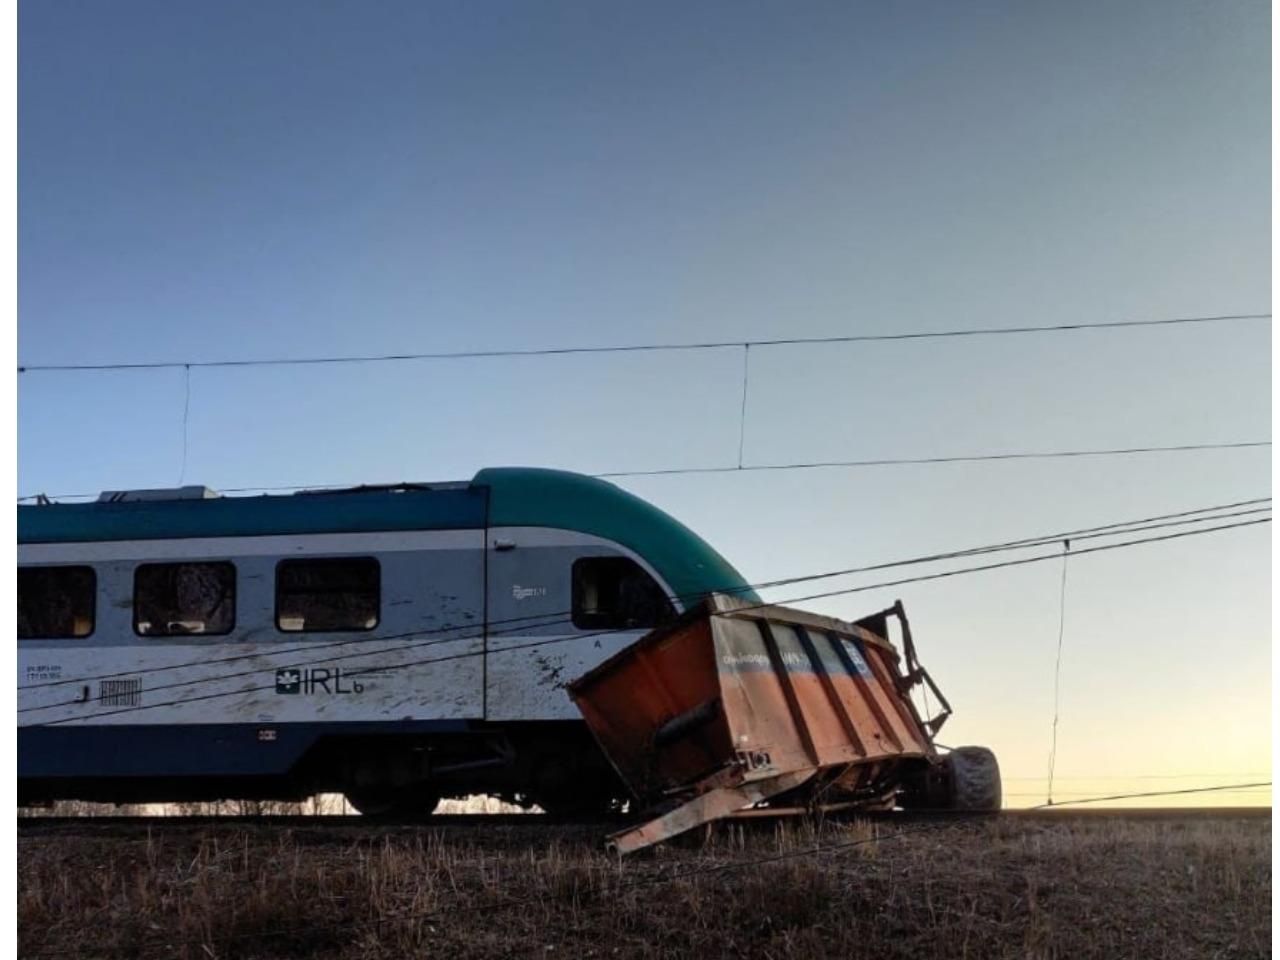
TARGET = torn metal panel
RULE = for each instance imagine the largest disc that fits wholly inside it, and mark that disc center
(715, 804)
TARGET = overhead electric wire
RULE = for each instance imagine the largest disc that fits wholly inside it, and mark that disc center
(383, 668)
(554, 618)
(1025, 560)
(646, 347)
(1227, 787)
(962, 458)
(1144, 776)
(745, 345)
(1250, 791)
(550, 619)
(808, 465)
(1208, 515)
(563, 617)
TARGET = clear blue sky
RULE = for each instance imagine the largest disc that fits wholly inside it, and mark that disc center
(241, 179)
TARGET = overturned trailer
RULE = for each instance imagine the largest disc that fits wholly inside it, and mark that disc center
(741, 708)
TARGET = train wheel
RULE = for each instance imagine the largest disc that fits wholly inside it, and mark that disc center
(393, 802)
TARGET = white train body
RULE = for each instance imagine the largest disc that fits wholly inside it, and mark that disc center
(396, 645)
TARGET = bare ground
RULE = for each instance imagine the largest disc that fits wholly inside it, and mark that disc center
(1076, 888)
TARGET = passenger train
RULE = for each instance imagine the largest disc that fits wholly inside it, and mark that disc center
(394, 644)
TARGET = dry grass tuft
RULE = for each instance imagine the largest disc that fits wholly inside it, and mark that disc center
(1007, 888)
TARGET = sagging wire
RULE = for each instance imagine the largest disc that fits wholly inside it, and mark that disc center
(1057, 671)
(186, 419)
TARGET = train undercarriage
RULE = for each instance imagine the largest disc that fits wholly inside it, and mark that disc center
(554, 765)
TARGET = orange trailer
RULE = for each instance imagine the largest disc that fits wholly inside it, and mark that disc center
(740, 704)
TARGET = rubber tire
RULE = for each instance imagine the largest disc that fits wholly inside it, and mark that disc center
(393, 804)
(975, 779)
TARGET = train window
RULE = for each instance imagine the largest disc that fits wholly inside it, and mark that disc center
(339, 593)
(616, 593)
(56, 602)
(180, 599)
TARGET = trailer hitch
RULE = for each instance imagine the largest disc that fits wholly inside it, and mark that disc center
(914, 672)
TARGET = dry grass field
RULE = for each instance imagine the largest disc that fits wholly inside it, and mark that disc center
(1072, 887)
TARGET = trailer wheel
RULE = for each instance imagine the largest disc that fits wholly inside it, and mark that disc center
(390, 803)
(974, 777)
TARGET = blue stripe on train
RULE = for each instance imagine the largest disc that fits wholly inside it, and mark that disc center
(195, 750)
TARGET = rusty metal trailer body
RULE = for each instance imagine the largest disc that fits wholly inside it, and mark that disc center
(739, 703)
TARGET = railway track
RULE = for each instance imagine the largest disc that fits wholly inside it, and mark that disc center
(507, 823)
(317, 821)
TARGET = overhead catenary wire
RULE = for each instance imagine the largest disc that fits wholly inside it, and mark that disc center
(1142, 776)
(564, 617)
(958, 458)
(1208, 514)
(549, 641)
(549, 619)
(552, 618)
(744, 344)
(650, 347)
(1008, 455)
(1026, 560)
(1149, 794)
(1249, 791)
